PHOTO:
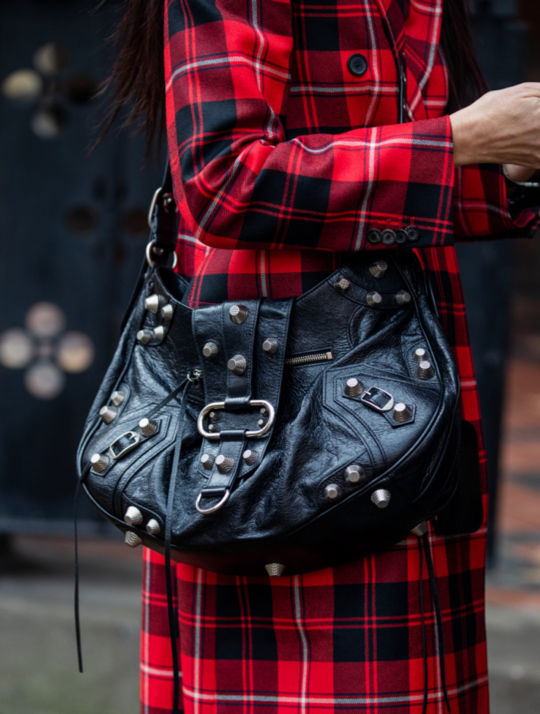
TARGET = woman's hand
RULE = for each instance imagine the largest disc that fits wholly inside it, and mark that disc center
(502, 127)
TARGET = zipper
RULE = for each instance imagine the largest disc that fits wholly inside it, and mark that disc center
(310, 358)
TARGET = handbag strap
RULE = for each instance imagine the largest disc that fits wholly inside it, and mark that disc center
(163, 222)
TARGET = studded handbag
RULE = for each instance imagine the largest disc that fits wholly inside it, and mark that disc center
(275, 435)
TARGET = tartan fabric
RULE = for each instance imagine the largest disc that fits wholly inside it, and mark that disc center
(283, 161)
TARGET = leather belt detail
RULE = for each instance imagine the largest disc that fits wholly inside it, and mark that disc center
(242, 348)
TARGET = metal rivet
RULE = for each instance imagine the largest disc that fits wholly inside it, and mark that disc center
(353, 388)
(331, 491)
(381, 497)
(167, 312)
(144, 336)
(117, 398)
(99, 462)
(403, 297)
(261, 422)
(132, 539)
(224, 463)
(237, 364)
(379, 268)
(153, 303)
(274, 570)
(153, 527)
(107, 413)
(402, 412)
(210, 349)
(425, 370)
(354, 473)
(342, 285)
(249, 456)
(211, 427)
(373, 299)
(263, 411)
(212, 416)
(159, 333)
(147, 427)
(207, 460)
(420, 354)
(133, 516)
(238, 313)
(270, 345)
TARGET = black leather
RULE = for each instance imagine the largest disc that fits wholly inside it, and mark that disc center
(276, 509)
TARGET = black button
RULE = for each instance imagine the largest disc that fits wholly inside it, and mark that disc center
(401, 236)
(374, 235)
(388, 236)
(412, 233)
(357, 65)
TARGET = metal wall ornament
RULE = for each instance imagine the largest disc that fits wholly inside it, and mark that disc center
(45, 351)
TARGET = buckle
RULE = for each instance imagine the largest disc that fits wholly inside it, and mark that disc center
(250, 434)
(152, 248)
(133, 439)
(377, 399)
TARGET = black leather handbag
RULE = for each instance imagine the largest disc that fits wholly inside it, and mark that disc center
(275, 436)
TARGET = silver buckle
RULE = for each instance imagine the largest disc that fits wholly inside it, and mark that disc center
(251, 434)
(134, 440)
(368, 396)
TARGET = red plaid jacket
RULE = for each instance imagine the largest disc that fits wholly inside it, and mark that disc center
(286, 155)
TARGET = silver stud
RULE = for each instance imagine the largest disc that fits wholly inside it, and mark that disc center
(425, 369)
(261, 422)
(420, 529)
(274, 570)
(132, 539)
(132, 516)
(263, 411)
(402, 412)
(224, 463)
(167, 312)
(420, 354)
(270, 345)
(107, 413)
(238, 314)
(159, 333)
(144, 336)
(354, 473)
(331, 491)
(210, 349)
(153, 303)
(207, 460)
(249, 456)
(353, 388)
(99, 462)
(212, 416)
(211, 427)
(403, 297)
(147, 427)
(373, 299)
(342, 285)
(153, 527)
(117, 398)
(381, 497)
(379, 268)
(237, 364)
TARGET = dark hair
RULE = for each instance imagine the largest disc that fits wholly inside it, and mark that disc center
(137, 85)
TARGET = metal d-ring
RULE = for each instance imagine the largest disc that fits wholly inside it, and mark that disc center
(215, 508)
(149, 259)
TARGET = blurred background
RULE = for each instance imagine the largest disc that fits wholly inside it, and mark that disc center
(73, 235)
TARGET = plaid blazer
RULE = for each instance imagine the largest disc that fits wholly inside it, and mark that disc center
(286, 155)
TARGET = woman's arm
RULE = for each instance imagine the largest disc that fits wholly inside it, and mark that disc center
(242, 184)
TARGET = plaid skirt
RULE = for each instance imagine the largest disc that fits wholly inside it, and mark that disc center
(360, 637)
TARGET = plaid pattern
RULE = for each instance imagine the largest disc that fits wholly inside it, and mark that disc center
(279, 150)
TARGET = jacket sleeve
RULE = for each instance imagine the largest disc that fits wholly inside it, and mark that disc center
(242, 183)
(485, 207)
